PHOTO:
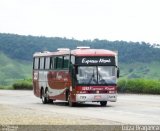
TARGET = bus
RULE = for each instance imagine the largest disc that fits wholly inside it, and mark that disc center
(76, 76)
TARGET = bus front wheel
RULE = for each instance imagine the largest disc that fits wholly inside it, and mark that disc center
(71, 104)
(103, 103)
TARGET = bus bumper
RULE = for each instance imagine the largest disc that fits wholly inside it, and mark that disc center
(96, 97)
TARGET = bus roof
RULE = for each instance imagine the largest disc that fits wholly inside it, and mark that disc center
(92, 52)
(78, 52)
(57, 53)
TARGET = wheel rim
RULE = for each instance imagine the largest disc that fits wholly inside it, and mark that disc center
(42, 96)
(69, 101)
(47, 96)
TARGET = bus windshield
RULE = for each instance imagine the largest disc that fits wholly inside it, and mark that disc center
(96, 75)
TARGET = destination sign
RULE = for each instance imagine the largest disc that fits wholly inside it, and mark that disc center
(95, 60)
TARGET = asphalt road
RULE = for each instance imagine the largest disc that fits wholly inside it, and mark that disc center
(129, 109)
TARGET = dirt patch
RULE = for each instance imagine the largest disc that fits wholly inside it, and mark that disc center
(14, 115)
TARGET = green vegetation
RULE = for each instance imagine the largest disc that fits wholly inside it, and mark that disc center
(139, 86)
(140, 70)
(23, 47)
(13, 69)
(6, 87)
(23, 84)
(136, 60)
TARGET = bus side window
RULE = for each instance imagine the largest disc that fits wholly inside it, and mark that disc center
(42, 63)
(47, 62)
(36, 63)
(65, 62)
(55, 62)
(73, 59)
(59, 62)
(52, 62)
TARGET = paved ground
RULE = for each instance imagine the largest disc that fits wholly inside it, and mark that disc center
(22, 107)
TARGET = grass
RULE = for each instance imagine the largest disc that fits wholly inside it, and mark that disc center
(12, 70)
(140, 86)
(143, 86)
(6, 88)
(23, 84)
(140, 70)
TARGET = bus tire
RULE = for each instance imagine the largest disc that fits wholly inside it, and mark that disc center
(50, 101)
(103, 103)
(43, 96)
(47, 96)
(67, 95)
(71, 104)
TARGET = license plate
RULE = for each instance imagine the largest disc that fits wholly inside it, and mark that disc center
(97, 97)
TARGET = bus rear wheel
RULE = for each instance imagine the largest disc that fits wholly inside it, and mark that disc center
(47, 96)
(103, 103)
(44, 98)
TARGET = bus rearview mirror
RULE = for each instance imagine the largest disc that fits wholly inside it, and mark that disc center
(118, 72)
(76, 70)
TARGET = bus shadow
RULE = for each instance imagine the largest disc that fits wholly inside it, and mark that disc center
(80, 104)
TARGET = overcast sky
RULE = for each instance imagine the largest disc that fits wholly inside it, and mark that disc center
(130, 20)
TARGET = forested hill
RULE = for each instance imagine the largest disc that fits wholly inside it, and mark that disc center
(136, 60)
(22, 47)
